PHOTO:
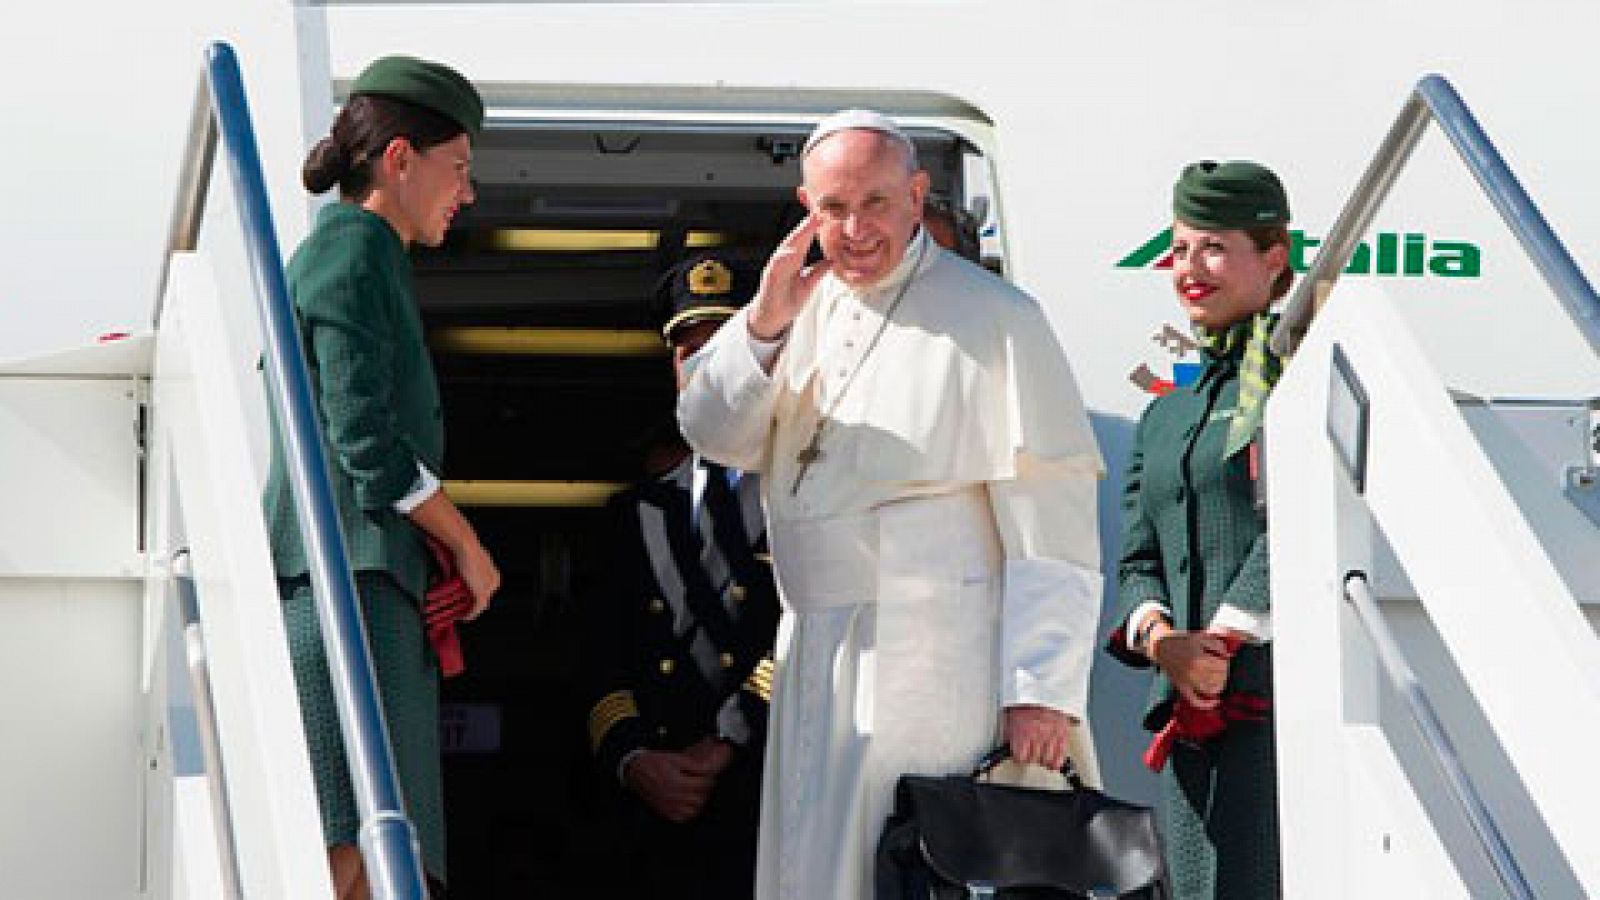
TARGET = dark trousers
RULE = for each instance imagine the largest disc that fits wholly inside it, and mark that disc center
(1221, 816)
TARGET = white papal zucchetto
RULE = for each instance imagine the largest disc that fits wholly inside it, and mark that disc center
(866, 119)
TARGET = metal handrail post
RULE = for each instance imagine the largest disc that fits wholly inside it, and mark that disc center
(1443, 750)
(388, 841)
(1435, 101)
(194, 177)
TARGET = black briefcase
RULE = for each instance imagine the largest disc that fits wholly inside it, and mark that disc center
(955, 837)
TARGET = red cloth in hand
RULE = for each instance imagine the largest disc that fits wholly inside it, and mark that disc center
(447, 602)
(1193, 724)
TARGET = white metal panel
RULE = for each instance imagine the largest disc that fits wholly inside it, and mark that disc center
(70, 754)
(1506, 654)
(128, 355)
(69, 469)
(208, 501)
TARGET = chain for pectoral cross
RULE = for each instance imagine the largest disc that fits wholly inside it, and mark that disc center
(812, 451)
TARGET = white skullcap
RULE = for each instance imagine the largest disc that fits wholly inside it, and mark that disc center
(866, 119)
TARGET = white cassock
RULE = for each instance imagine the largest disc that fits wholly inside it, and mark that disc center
(937, 562)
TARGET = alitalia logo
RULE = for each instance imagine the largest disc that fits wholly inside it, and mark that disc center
(1403, 255)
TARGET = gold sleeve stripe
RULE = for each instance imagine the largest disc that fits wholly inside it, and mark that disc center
(759, 681)
(612, 708)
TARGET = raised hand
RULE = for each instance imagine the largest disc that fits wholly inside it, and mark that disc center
(786, 282)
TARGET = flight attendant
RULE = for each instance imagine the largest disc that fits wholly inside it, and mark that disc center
(400, 152)
(1193, 571)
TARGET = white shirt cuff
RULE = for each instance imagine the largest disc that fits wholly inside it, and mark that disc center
(426, 485)
(766, 351)
(1255, 625)
(1131, 630)
(731, 724)
(1047, 634)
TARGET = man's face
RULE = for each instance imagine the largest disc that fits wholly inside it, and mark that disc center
(858, 184)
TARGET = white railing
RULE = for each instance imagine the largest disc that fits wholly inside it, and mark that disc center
(1478, 607)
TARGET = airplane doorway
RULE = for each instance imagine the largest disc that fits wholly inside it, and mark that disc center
(555, 382)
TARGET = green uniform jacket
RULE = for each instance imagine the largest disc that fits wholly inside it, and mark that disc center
(1192, 537)
(376, 394)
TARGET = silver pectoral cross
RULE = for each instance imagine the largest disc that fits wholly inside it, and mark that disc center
(808, 454)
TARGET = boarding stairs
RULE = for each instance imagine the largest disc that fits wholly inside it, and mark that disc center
(1435, 585)
(153, 746)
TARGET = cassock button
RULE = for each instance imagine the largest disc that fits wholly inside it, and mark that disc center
(727, 660)
(661, 731)
(657, 605)
(667, 666)
(738, 593)
(1183, 565)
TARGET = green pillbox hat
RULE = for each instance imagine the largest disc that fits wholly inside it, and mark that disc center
(427, 84)
(1228, 195)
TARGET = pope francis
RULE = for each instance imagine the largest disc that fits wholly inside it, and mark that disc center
(930, 487)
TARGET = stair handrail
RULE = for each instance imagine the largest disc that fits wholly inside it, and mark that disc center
(198, 664)
(1491, 839)
(388, 841)
(1435, 101)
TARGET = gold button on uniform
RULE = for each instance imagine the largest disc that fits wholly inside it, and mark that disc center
(727, 660)
(738, 591)
(667, 666)
(657, 605)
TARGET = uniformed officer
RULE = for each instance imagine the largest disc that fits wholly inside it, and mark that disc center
(1193, 576)
(678, 649)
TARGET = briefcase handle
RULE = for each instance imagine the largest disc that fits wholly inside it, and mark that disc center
(1002, 753)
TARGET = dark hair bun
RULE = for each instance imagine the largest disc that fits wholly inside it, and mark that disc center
(325, 165)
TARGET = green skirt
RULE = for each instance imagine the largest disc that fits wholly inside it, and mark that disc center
(408, 685)
(1220, 816)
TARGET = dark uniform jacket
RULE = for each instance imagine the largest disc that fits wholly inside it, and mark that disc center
(376, 394)
(679, 645)
(1193, 538)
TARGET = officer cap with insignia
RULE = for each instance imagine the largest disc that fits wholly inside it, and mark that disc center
(703, 288)
(427, 84)
(1228, 195)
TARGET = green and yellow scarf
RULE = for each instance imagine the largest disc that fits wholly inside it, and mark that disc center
(1258, 373)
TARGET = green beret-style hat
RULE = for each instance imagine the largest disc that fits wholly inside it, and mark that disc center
(427, 84)
(1227, 195)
